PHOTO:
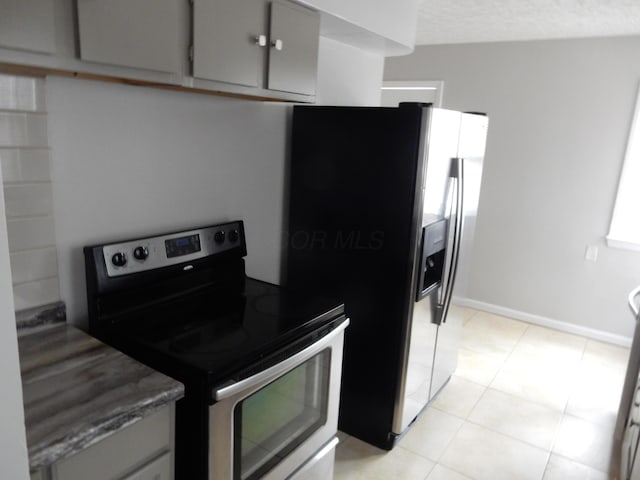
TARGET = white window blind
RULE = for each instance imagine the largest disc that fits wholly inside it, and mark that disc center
(625, 223)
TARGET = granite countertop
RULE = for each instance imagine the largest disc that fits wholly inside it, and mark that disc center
(77, 391)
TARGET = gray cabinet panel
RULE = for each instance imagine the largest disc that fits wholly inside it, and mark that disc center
(36, 475)
(293, 54)
(159, 469)
(121, 452)
(224, 40)
(256, 43)
(133, 33)
(27, 25)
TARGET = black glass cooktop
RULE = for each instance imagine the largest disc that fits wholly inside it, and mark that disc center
(216, 334)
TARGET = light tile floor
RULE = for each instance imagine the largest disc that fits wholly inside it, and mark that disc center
(525, 402)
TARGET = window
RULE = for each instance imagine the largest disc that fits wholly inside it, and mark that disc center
(625, 223)
(411, 91)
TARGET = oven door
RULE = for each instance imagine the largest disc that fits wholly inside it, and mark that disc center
(276, 422)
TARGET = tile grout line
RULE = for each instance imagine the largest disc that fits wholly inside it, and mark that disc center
(565, 413)
(549, 450)
(510, 353)
(558, 426)
(36, 280)
(486, 389)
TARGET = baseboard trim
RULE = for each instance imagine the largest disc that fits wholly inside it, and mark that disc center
(545, 322)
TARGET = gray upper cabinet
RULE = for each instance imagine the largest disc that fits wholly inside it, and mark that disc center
(269, 45)
(261, 49)
(293, 52)
(226, 41)
(27, 25)
(133, 33)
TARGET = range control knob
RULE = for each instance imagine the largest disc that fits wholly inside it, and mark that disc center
(219, 236)
(119, 259)
(234, 235)
(141, 253)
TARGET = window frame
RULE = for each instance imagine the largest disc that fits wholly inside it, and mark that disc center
(630, 174)
(416, 86)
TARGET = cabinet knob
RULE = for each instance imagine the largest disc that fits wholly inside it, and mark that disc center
(277, 44)
(260, 40)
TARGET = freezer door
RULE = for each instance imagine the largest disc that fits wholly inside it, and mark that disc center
(420, 363)
(446, 354)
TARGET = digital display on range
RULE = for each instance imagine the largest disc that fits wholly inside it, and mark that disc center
(175, 247)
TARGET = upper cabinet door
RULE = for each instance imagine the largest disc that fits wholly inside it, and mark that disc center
(132, 33)
(27, 25)
(293, 49)
(229, 40)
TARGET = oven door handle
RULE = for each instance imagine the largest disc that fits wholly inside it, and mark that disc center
(281, 368)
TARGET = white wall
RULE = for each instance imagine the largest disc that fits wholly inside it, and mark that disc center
(130, 161)
(348, 75)
(13, 444)
(560, 112)
(394, 20)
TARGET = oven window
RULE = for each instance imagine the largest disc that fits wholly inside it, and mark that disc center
(276, 419)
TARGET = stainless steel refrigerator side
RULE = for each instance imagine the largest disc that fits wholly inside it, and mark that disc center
(399, 422)
(439, 146)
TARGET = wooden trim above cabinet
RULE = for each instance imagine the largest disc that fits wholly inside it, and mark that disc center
(27, 70)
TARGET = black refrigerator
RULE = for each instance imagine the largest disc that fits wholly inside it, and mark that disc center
(382, 204)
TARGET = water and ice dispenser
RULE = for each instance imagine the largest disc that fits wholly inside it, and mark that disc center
(432, 259)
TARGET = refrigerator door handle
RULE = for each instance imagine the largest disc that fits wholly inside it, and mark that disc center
(632, 301)
(457, 174)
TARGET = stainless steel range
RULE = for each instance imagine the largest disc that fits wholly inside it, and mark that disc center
(261, 366)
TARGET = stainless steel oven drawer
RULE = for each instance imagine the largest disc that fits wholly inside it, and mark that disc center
(320, 466)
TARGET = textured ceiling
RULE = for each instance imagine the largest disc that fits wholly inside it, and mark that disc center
(466, 21)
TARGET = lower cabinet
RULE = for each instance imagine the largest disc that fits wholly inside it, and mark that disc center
(37, 475)
(143, 451)
(158, 469)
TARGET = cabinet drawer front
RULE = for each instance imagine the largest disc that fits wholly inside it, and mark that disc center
(159, 469)
(121, 452)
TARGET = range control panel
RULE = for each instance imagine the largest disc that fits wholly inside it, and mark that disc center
(164, 250)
